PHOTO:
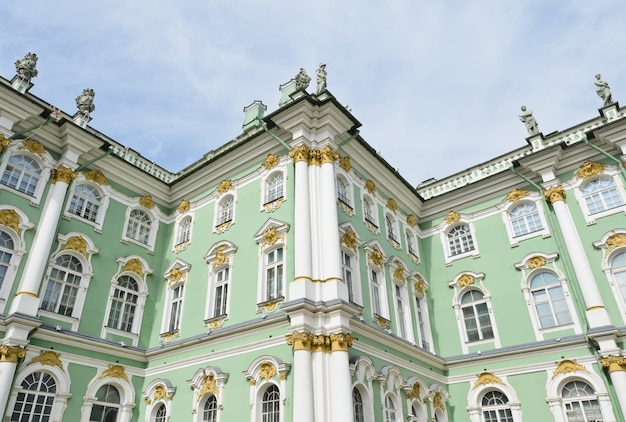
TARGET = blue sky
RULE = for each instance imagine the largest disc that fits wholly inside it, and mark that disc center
(437, 85)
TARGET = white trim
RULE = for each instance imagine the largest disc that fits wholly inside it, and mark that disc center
(45, 162)
(532, 198)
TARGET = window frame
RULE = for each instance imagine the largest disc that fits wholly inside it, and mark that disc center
(270, 237)
(183, 234)
(559, 283)
(371, 220)
(125, 389)
(225, 209)
(16, 220)
(424, 337)
(44, 160)
(531, 198)
(105, 193)
(219, 259)
(176, 276)
(152, 231)
(608, 172)
(203, 392)
(445, 228)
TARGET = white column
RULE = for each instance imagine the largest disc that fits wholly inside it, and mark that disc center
(9, 356)
(341, 381)
(597, 315)
(616, 366)
(26, 299)
(303, 406)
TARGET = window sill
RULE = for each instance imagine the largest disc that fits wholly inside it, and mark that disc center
(269, 305)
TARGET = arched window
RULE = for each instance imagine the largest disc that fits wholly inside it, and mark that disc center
(411, 244)
(389, 409)
(85, 202)
(35, 398)
(392, 231)
(139, 226)
(209, 411)
(369, 213)
(274, 187)
(357, 403)
(226, 210)
(476, 318)
(270, 404)
(62, 287)
(106, 406)
(342, 192)
(600, 195)
(495, 407)
(460, 240)
(618, 270)
(183, 234)
(549, 300)
(124, 304)
(22, 173)
(161, 414)
(580, 402)
(525, 219)
(7, 247)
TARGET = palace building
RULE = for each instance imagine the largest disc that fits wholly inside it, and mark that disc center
(292, 275)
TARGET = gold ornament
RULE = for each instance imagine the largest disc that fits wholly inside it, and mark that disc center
(4, 142)
(516, 195)
(349, 239)
(438, 401)
(615, 240)
(345, 164)
(452, 217)
(392, 205)
(589, 168)
(300, 153)
(220, 256)
(411, 221)
(267, 371)
(566, 366)
(466, 280)
(300, 340)
(96, 176)
(147, 201)
(134, 265)
(554, 194)
(34, 147)
(224, 186)
(78, 244)
(63, 174)
(614, 363)
(11, 219)
(415, 392)
(487, 378)
(271, 236)
(399, 273)
(175, 276)
(370, 186)
(341, 342)
(11, 353)
(184, 206)
(209, 386)
(376, 257)
(536, 262)
(115, 371)
(328, 155)
(271, 161)
(159, 392)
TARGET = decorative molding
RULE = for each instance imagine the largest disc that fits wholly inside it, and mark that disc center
(4, 143)
(63, 174)
(267, 371)
(487, 378)
(147, 201)
(554, 194)
(420, 286)
(613, 363)
(340, 342)
(34, 147)
(392, 205)
(96, 176)
(614, 241)
(589, 168)
(452, 217)
(134, 265)
(398, 273)
(220, 256)
(159, 392)
(415, 391)
(300, 153)
(115, 371)
(349, 239)
(376, 257)
(78, 244)
(438, 401)
(271, 161)
(328, 155)
(536, 262)
(302, 340)
(370, 186)
(271, 236)
(11, 219)
(315, 157)
(321, 343)
(209, 385)
(516, 194)
(176, 275)
(11, 353)
(345, 164)
(224, 186)
(184, 206)
(567, 366)
(466, 280)
(411, 220)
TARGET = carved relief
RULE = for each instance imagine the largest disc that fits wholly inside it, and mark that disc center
(63, 174)
(115, 371)
(349, 239)
(321, 343)
(134, 265)
(614, 241)
(487, 378)
(589, 168)
(392, 205)
(78, 244)
(34, 147)
(315, 157)
(345, 164)
(175, 276)
(614, 363)
(420, 287)
(209, 386)
(452, 217)
(554, 194)
(4, 142)
(328, 154)
(415, 392)
(300, 340)
(370, 186)
(341, 342)
(271, 236)
(147, 201)
(11, 219)
(399, 273)
(184, 206)
(536, 262)
(96, 176)
(267, 371)
(11, 353)
(516, 195)
(376, 257)
(220, 256)
(438, 401)
(224, 186)
(300, 153)
(411, 221)
(159, 392)
(271, 161)
(567, 366)
(466, 280)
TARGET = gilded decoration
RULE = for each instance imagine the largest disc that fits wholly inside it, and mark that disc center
(78, 244)
(159, 392)
(321, 343)
(220, 256)
(271, 161)
(411, 221)
(252, 382)
(300, 340)
(115, 371)
(536, 262)
(340, 342)
(370, 186)
(516, 195)
(147, 201)
(349, 239)
(345, 208)
(300, 153)
(315, 157)
(487, 378)
(615, 240)
(63, 174)
(345, 164)
(371, 227)
(415, 392)
(175, 276)
(4, 142)
(420, 287)
(452, 217)
(392, 205)
(554, 194)
(566, 366)
(614, 363)
(438, 401)
(96, 176)
(466, 280)
(224, 186)
(34, 147)
(209, 386)
(399, 273)
(134, 265)
(10, 218)
(589, 168)
(376, 257)
(267, 371)
(223, 227)
(328, 154)
(274, 205)
(217, 323)
(11, 353)
(271, 305)
(184, 206)
(271, 236)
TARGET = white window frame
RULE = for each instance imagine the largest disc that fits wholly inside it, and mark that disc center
(445, 229)
(401, 302)
(45, 162)
(364, 372)
(19, 250)
(200, 395)
(224, 216)
(391, 382)
(424, 338)
(532, 198)
(411, 244)
(371, 221)
(219, 259)
(125, 388)
(478, 391)
(609, 172)
(154, 400)
(184, 230)
(105, 192)
(260, 382)
(377, 287)
(608, 255)
(269, 245)
(152, 214)
(271, 194)
(345, 192)
(176, 275)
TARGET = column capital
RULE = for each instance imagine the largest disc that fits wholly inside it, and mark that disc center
(301, 340)
(328, 154)
(554, 194)
(300, 153)
(613, 363)
(63, 174)
(341, 342)
(11, 353)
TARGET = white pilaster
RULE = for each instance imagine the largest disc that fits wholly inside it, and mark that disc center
(303, 386)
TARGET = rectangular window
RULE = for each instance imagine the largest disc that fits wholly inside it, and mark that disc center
(400, 309)
(347, 274)
(221, 292)
(422, 324)
(274, 274)
(375, 288)
(176, 308)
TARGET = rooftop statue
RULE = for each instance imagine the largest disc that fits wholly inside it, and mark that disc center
(302, 79)
(321, 78)
(603, 90)
(26, 67)
(529, 120)
(84, 102)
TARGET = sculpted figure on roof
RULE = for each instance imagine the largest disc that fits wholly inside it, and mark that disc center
(302, 79)
(84, 102)
(321, 78)
(603, 90)
(26, 68)
(529, 120)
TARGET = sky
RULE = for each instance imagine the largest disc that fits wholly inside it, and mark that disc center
(436, 85)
